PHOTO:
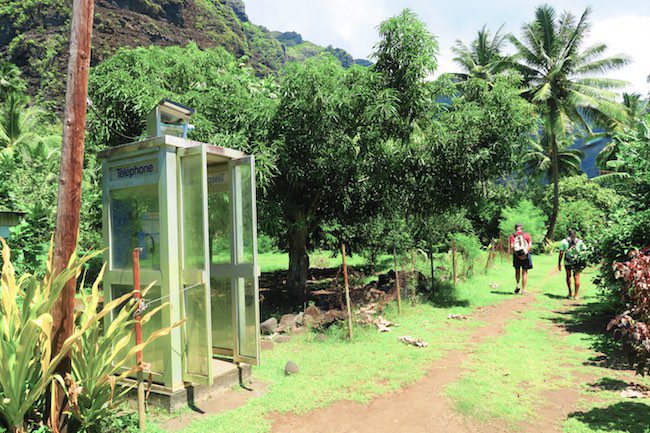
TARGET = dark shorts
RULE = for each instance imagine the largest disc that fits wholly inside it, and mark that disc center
(574, 268)
(525, 263)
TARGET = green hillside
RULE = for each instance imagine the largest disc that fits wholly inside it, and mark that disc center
(34, 35)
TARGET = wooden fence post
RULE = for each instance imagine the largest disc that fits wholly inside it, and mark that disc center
(453, 261)
(347, 291)
(397, 285)
(138, 337)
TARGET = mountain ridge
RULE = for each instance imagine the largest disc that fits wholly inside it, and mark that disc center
(34, 36)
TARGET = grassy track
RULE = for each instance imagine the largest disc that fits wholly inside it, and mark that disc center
(372, 364)
(509, 375)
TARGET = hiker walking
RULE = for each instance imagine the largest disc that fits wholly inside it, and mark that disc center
(570, 249)
(521, 244)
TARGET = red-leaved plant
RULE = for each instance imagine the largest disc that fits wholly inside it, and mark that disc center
(632, 326)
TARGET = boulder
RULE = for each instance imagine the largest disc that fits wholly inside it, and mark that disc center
(332, 316)
(266, 345)
(291, 368)
(269, 326)
(313, 312)
(281, 339)
(300, 319)
(288, 319)
(298, 331)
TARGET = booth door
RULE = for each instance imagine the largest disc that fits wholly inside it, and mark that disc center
(195, 273)
(245, 279)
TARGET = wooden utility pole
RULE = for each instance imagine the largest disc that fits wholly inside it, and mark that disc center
(347, 291)
(69, 201)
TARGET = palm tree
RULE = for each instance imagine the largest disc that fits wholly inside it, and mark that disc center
(18, 122)
(537, 159)
(636, 109)
(10, 81)
(559, 79)
(484, 58)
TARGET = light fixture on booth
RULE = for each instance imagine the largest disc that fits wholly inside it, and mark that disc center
(169, 118)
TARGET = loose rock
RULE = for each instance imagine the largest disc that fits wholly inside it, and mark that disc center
(281, 339)
(313, 312)
(288, 319)
(407, 339)
(291, 368)
(269, 326)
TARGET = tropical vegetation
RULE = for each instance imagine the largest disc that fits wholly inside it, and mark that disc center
(380, 157)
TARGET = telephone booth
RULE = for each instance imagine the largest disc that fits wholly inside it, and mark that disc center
(190, 208)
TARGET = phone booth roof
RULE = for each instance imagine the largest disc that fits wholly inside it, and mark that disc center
(216, 152)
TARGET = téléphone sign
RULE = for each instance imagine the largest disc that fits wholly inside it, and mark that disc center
(133, 171)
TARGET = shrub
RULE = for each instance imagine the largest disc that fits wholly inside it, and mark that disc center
(582, 216)
(469, 247)
(528, 215)
(26, 365)
(632, 326)
(98, 354)
(629, 231)
(100, 359)
(266, 244)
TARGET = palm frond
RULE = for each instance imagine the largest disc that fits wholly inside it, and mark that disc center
(602, 66)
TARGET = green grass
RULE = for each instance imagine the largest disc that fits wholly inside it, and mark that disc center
(370, 365)
(276, 261)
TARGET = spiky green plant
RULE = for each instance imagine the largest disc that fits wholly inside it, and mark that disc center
(100, 360)
(26, 365)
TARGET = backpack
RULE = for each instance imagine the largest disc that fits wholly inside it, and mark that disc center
(520, 245)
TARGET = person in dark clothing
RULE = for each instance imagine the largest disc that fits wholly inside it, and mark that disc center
(521, 245)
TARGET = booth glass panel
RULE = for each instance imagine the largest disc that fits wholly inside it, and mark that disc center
(248, 251)
(246, 283)
(220, 231)
(222, 329)
(248, 329)
(219, 218)
(135, 222)
(154, 353)
(197, 336)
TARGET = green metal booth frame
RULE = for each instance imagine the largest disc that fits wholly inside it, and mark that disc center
(191, 209)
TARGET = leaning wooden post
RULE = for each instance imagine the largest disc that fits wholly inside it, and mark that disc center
(453, 260)
(397, 287)
(137, 295)
(69, 197)
(347, 291)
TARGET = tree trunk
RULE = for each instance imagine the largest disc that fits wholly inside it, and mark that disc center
(69, 197)
(555, 179)
(298, 262)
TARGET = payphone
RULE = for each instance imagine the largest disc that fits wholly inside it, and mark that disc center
(191, 209)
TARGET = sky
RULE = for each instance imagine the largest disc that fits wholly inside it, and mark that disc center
(624, 25)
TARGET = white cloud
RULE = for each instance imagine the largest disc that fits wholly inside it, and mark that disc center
(351, 25)
(627, 34)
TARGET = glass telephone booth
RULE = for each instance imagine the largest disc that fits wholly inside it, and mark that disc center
(190, 207)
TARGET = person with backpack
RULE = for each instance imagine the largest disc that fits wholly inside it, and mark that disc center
(521, 244)
(571, 249)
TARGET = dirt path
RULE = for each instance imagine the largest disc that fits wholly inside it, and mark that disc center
(420, 407)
